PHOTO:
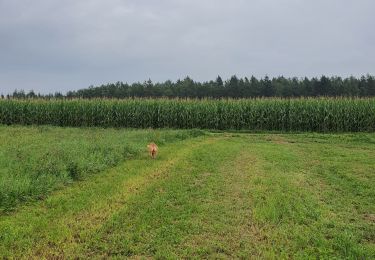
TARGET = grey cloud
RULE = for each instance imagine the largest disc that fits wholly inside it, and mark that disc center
(55, 45)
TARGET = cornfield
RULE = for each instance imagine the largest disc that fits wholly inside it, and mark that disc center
(319, 114)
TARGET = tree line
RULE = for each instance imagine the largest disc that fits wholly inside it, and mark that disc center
(234, 87)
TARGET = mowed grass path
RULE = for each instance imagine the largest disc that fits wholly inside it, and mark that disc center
(216, 196)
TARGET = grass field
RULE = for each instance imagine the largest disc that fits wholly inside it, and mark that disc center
(37, 160)
(218, 195)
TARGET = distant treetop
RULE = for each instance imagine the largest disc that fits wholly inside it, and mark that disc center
(234, 87)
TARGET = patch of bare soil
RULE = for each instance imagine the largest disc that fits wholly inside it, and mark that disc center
(369, 217)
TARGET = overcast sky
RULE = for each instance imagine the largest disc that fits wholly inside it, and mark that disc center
(55, 45)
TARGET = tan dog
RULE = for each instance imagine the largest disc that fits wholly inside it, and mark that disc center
(153, 150)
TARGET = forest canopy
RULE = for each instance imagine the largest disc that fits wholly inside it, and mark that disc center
(233, 87)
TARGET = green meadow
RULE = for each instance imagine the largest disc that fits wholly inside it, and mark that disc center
(95, 193)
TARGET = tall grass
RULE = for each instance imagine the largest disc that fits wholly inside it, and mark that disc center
(319, 114)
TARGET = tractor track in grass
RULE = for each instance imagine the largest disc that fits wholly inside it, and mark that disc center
(67, 218)
(204, 211)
